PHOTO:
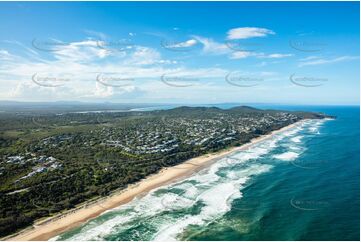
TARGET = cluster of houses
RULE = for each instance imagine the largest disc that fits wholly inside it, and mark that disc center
(167, 136)
(41, 163)
(159, 136)
(56, 140)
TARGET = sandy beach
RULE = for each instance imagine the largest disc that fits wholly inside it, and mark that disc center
(50, 227)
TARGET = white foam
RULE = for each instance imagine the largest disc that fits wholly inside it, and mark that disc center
(292, 131)
(287, 156)
(296, 148)
(97, 232)
(216, 204)
(315, 126)
(191, 192)
(174, 202)
(217, 201)
(245, 173)
(209, 176)
(147, 206)
(55, 238)
(297, 139)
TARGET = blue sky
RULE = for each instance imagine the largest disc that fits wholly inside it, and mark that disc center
(180, 52)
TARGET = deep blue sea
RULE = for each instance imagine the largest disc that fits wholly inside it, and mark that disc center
(302, 184)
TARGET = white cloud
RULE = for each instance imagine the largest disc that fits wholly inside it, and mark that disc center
(81, 51)
(248, 32)
(275, 56)
(312, 57)
(241, 54)
(212, 47)
(102, 91)
(30, 91)
(97, 34)
(144, 56)
(215, 48)
(30, 51)
(5, 55)
(143, 64)
(245, 54)
(188, 43)
(320, 61)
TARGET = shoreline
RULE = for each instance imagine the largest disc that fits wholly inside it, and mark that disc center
(50, 227)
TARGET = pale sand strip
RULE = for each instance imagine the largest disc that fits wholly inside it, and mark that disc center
(49, 228)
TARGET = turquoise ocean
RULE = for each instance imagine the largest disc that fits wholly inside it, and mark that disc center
(301, 184)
